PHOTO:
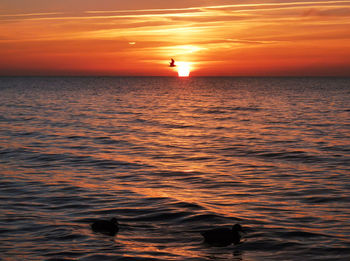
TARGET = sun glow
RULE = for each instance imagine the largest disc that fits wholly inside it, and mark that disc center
(183, 69)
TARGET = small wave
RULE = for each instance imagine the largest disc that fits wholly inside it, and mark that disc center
(270, 245)
(186, 205)
(300, 156)
(225, 110)
(207, 219)
(43, 160)
(76, 137)
(238, 108)
(109, 141)
(300, 234)
(162, 215)
(325, 199)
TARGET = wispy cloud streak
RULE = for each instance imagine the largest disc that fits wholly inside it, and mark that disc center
(30, 14)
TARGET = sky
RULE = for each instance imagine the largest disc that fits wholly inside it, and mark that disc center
(139, 37)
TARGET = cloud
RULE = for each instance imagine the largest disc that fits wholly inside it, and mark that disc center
(254, 23)
(29, 14)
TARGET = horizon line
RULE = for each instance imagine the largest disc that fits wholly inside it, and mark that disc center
(175, 76)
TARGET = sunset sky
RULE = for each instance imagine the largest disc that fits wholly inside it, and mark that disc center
(138, 37)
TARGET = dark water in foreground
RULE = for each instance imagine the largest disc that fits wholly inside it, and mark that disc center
(170, 157)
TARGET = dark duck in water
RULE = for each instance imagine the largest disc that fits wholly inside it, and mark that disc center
(223, 236)
(107, 227)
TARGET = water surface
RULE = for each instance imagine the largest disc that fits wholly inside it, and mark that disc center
(169, 158)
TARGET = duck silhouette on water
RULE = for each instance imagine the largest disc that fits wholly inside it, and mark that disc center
(107, 227)
(223, 236)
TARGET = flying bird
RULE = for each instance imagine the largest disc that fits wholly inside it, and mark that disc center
(172, 63)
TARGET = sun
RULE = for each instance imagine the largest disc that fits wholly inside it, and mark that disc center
(183, 69)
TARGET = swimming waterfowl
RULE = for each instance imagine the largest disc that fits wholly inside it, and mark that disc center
(107, 227)
(223, 236)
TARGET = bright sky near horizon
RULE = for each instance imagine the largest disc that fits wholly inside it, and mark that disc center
(137, 37)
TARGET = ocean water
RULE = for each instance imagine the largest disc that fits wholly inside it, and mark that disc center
(170, 157)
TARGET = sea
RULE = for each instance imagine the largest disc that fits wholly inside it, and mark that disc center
(172, 157)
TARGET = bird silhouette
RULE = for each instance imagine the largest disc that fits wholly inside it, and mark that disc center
(107, 227)
(172, 63)
(223, 236)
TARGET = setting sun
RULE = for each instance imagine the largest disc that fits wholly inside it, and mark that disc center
(183, 69)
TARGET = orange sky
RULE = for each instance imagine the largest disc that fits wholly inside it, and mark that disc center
(136, 37)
